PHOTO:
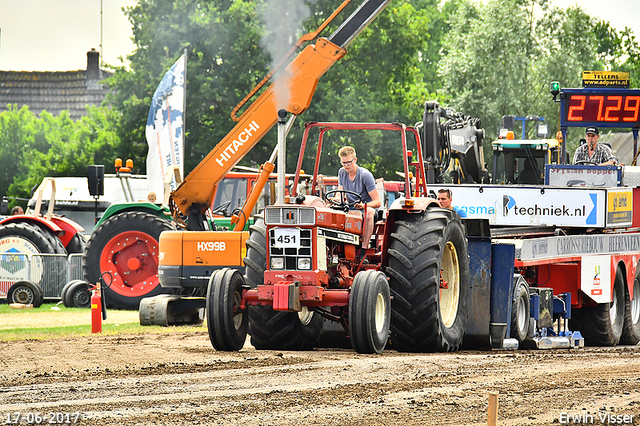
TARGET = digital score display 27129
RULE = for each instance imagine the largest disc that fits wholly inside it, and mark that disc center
(601, 107)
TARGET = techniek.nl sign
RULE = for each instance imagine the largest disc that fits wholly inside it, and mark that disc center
(532, 206)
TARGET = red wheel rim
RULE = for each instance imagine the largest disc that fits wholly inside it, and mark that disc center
(132, 259)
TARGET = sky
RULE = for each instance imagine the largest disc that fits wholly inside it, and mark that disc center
(55, 35)
(619, 13)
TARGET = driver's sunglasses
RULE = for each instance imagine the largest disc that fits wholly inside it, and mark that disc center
(346, 163)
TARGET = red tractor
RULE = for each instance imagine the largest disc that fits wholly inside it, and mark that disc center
(34, 248)
(302, 267)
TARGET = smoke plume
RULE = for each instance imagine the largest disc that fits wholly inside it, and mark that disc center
(283, 21)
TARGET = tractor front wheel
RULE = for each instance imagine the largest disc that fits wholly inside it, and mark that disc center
(226, 322)
(369, 312)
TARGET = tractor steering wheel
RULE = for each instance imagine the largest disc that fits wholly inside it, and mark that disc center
(222, 209)
(342, 205)
(591, 163)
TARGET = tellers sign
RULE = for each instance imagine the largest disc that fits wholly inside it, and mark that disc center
(601, 107)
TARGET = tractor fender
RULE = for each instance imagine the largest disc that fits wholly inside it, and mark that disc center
(420, 204)
(396, 209)
(142, 206)
(63, 228)
(36, 220)
(69, 228)
(39, 220)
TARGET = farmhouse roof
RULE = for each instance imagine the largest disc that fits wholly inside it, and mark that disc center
(55, 91)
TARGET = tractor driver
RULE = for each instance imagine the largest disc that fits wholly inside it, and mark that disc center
(594, 152)
(352, 177)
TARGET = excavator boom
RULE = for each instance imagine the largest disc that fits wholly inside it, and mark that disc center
(298, 82)
(187, 259)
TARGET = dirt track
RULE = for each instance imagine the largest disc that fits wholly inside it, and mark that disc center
(179, 378)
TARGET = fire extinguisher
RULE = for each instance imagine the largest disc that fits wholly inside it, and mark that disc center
(99, 304)
(96, 310)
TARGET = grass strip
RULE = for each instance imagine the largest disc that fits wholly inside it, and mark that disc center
(49, 333)
(53, 321)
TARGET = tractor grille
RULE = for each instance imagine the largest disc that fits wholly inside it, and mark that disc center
(290, 216)
(291, 255)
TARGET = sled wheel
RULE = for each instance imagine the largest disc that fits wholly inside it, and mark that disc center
(602, 325)
(429, 280)
(631, 330)
(369, 312)
(226, 322)
(127, 246)
(78, 295)
(520, 310)
(25, 293)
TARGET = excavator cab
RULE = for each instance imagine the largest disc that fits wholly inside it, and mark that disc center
(522, 161)
(452, 142)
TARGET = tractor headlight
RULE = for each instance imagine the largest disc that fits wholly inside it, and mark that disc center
(277, 263)
(304, 263)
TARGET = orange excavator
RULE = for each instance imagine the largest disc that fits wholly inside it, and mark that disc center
(187, 258)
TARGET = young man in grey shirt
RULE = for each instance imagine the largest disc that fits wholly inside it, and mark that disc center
(352, 177)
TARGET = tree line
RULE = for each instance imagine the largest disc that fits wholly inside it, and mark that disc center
(485, 59)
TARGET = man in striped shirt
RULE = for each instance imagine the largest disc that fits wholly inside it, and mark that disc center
(594, 152)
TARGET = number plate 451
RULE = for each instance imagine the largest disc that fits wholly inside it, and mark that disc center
(287, 237)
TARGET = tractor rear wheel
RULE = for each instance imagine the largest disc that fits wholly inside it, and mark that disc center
(53, 240)
(520, 310)
(602, 325)
(25, 293)
(126, 245)
(21, 239)
(77, 244)
(256, 259)
(27, 238)
(271, 329)
(226, 322)
(429, 279)
(283, 330)
(369, 312)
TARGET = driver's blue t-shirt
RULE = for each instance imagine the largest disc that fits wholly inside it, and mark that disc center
(460, 211)
(362, 184)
